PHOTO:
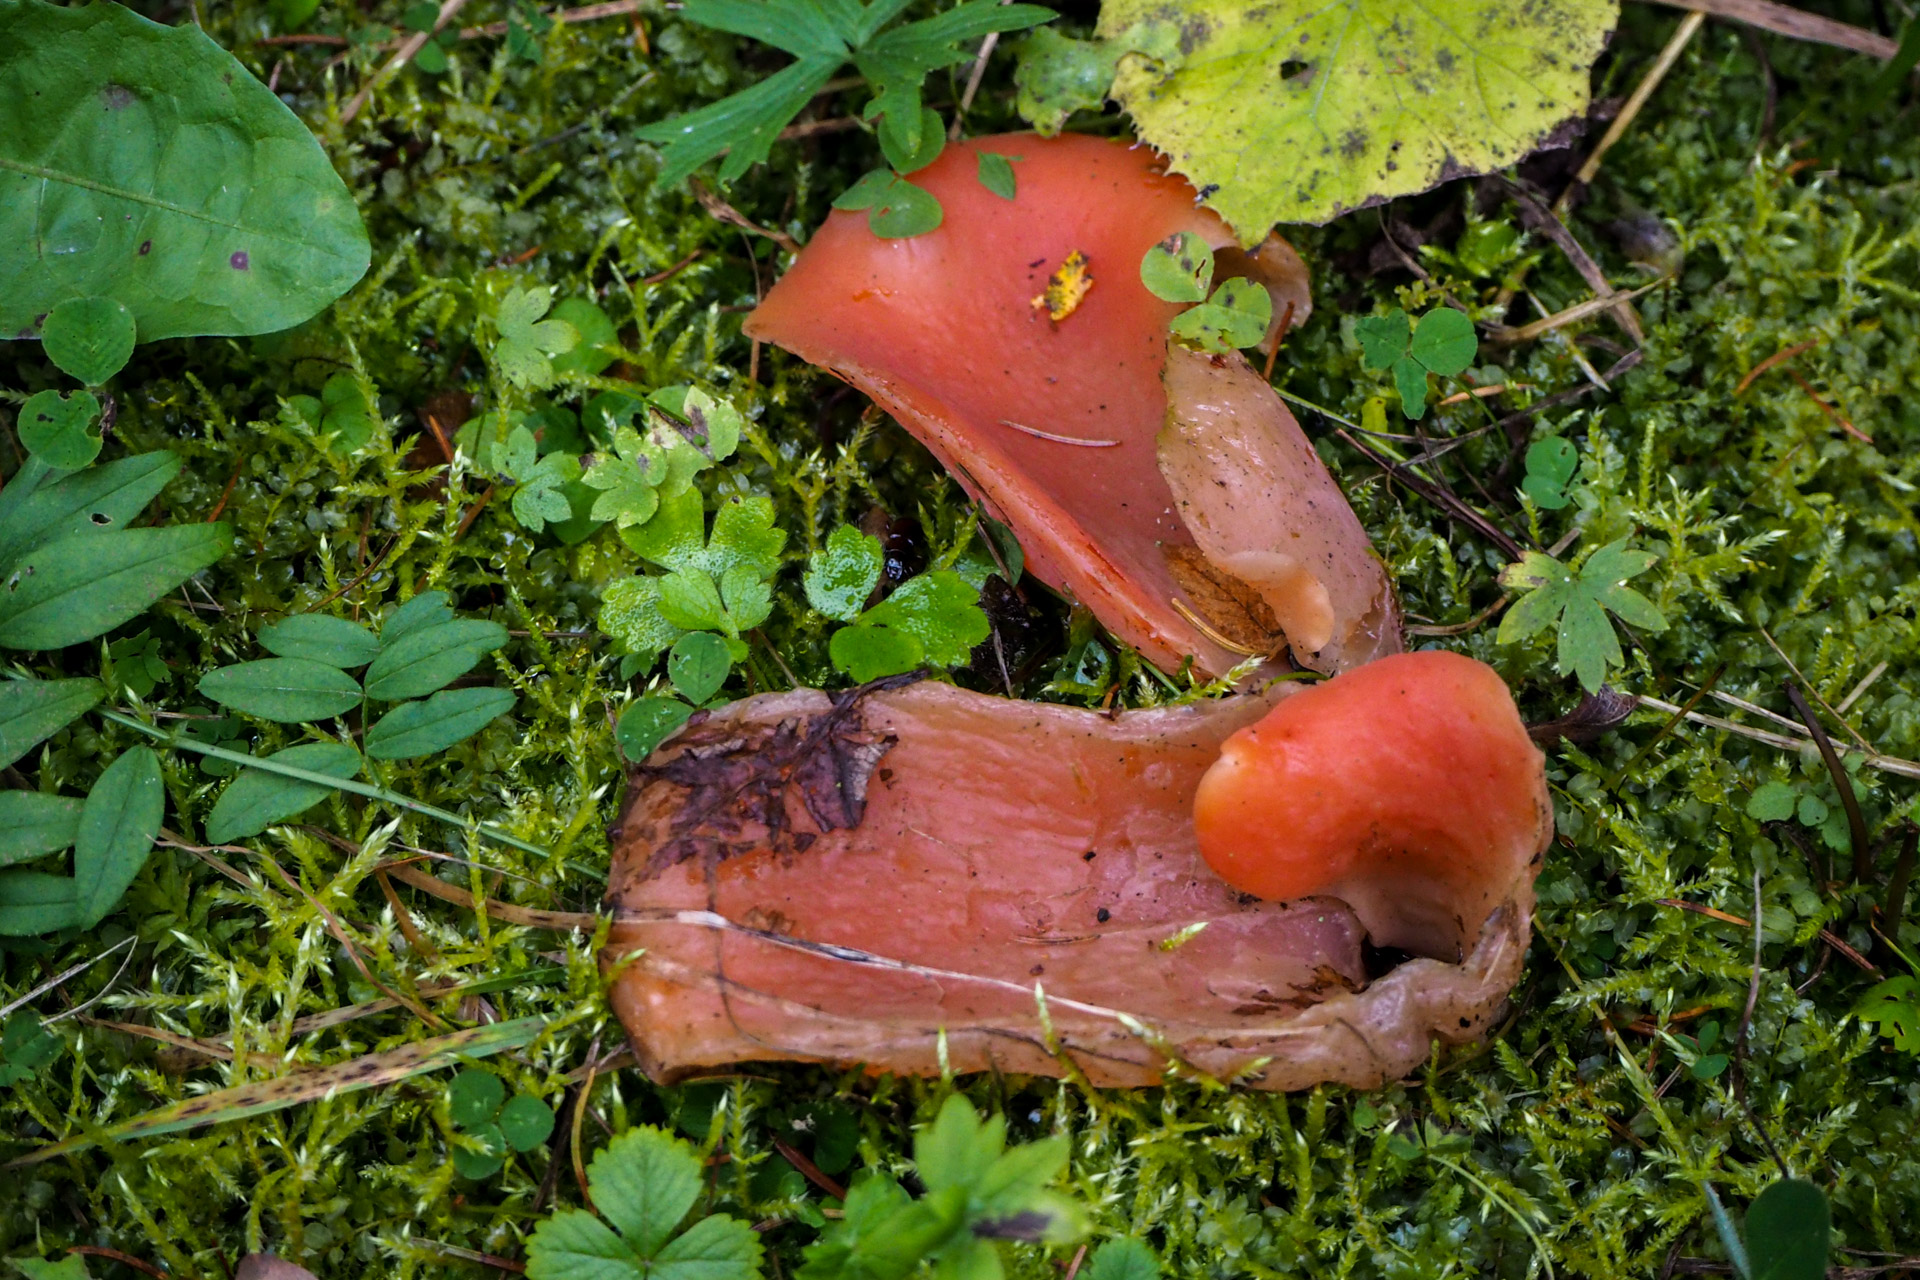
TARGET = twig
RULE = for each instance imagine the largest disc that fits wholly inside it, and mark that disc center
(1461, 628)
(507, 911)
(1079, 1256)
(1839, 419)
(579, 1113)
(63, 975)
(811, 128)
(1058, 439)
(1650, 81)
(98, 996)
(1798, 348)
(1449, 504)
(1827, 936)
(809, 1170)
(473, 513)
(1866, 682)
(1480, 393)
(1798, 24)
(1782, 655)
(1753, 984)
(1856, 822)
(1548, 223)
(726, 213)
(661, 277)
(401, 57)
(1679, 714)
(1504, 335)
(974, 78)
(1873, 760)
(124, 1259)
(1895, 903)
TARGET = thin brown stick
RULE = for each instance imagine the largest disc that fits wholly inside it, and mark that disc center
(1856, 821)
(1796, 24)
(813, 128)
(661, 277)
(227, 492)
(404, 918)
(726, 213)
(1504, 335)
(579, 1111)
(1780, 653)
(1453, 507)
(401, 57)
(1798, 348)
(1650, 81)
(1827, 936)
(1895, 902)
(473, 513)
(809, 1170)
(505, 911)
(124, 1259)
(1058, 439)
(1079, 1256)
(1839, 419)
(1548, 223)
(1885, 764)
(1461, 628)
(339, 931)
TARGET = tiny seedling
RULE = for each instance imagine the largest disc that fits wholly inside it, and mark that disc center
(932, 619)
(1551, 464)
(1442, 343)
(645, 1185)
(25, 1047)
(718, 581)
(1236, 315)
(478, 1104)
(1576, 604)
(524, 344)
(1706, 1063)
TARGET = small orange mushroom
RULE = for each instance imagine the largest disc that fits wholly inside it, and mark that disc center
(1408, 788)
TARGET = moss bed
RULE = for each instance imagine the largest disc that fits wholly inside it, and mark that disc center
(1576, 1141)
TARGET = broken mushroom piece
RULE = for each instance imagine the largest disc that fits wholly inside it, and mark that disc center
(900, 872)
(1048, 406)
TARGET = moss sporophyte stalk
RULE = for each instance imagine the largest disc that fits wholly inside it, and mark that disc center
(468, 431)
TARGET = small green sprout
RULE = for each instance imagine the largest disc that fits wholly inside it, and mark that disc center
(478, 1104)
(25, 1047)
(1553, 596)
(934, 618)
(539, 496)
(646, 1183)
(1180, 269)
(524, 341)
(431, 57)
(996, 174)
(342, 415)
(1443, 344)
(1551, 464)
(896, 209)
(1706, 1063)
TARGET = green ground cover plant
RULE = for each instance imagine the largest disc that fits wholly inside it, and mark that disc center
(534, 425)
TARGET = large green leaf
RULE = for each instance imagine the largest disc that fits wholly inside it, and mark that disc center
(34, 902)
(97, 500)
(33, 825)
(118, 825)
(422, 728)
(31, 711)
(143, 163)
(1299, 110)
(79, 586)
(430, 658)
(290, 690)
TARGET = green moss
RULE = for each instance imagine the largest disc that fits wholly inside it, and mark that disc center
(1566, 1130)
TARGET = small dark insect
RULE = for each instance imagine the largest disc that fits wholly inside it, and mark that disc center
(903, 548)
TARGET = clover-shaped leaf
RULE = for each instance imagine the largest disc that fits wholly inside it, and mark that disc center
(525, 340)
(1551, 463)
(645, 1182)
(628, 478)
(54, 429)
(1578, 605)
(478, 1104)
(935, 618)
(539, 496)
(1443, 343)
(1236, 316)
(1178, 269)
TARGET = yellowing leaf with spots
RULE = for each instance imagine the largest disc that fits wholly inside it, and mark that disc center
(1065, 288)
(1299, 110)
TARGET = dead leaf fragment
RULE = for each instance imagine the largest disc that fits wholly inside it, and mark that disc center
(1066, 287)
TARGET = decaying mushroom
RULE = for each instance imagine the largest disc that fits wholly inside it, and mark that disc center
(906, 870)
(1170, 492)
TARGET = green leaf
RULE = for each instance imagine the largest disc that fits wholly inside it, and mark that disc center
(1352, 102)
(676, 537)
(347, 417)
(939, 610)
(1123, 1259)
(474, 1098)
(1058, 75)
(1383, 339)
(525, 340)
(431, 658)
(644, 1182)
(868, 653)
(1789, 1231)
(25, 1047)
(1894, 1007)
(525, 1122)
(118, 825)
(599, 342)
(428, 609)
(841, 575)
(77, 587)
(630, 613)
(698, 666)
(143, 163)
(97, 500)
(32, 902)
(1772, 802)
(421, 728)
(1178, 269)
(744, 125)
(289, 690)
(1444, 341)
(1236, 316)
(648, 722)
(958, 1148)
(1410, 380)
(256, 799)
(929, 141)
(867, 192)
(575, 1245)
(31, 711)
(486, 1162)
(71, 1267)
(89, 339)
(904, 211)
(1587, 644)
(744, 536)
(1551, 464)
(319, 637)
(33, 825)
(53, 428)
(996, 174)
(716, 1246)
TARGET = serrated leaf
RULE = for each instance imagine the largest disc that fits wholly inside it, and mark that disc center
(32, 902)
(939, 610)
(744, 125)
(1123, 1259)
(448, 717)
(1772, 802)
(144, 163)
(78, 587)
(96, 500)
(525, 340)
(1894, 1007)
(319, 637)
(1058, 75)
(289, 690)
(645, 1182)
(1352, 102)
(33, 825)
(71, 1267)
(1789, 1231)
(53, 427)
(712, 1248)
(1587, 643)
(118, 824)
(630, 613)
(868, 653)
(431, 658)
(88, 339)
(31, 711)
(256, 799)
(958, 1148)
(841, 575)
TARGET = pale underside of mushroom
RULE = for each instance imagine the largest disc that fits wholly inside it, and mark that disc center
(890, 875)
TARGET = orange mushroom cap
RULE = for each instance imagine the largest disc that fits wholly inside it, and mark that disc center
(1407, 787)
